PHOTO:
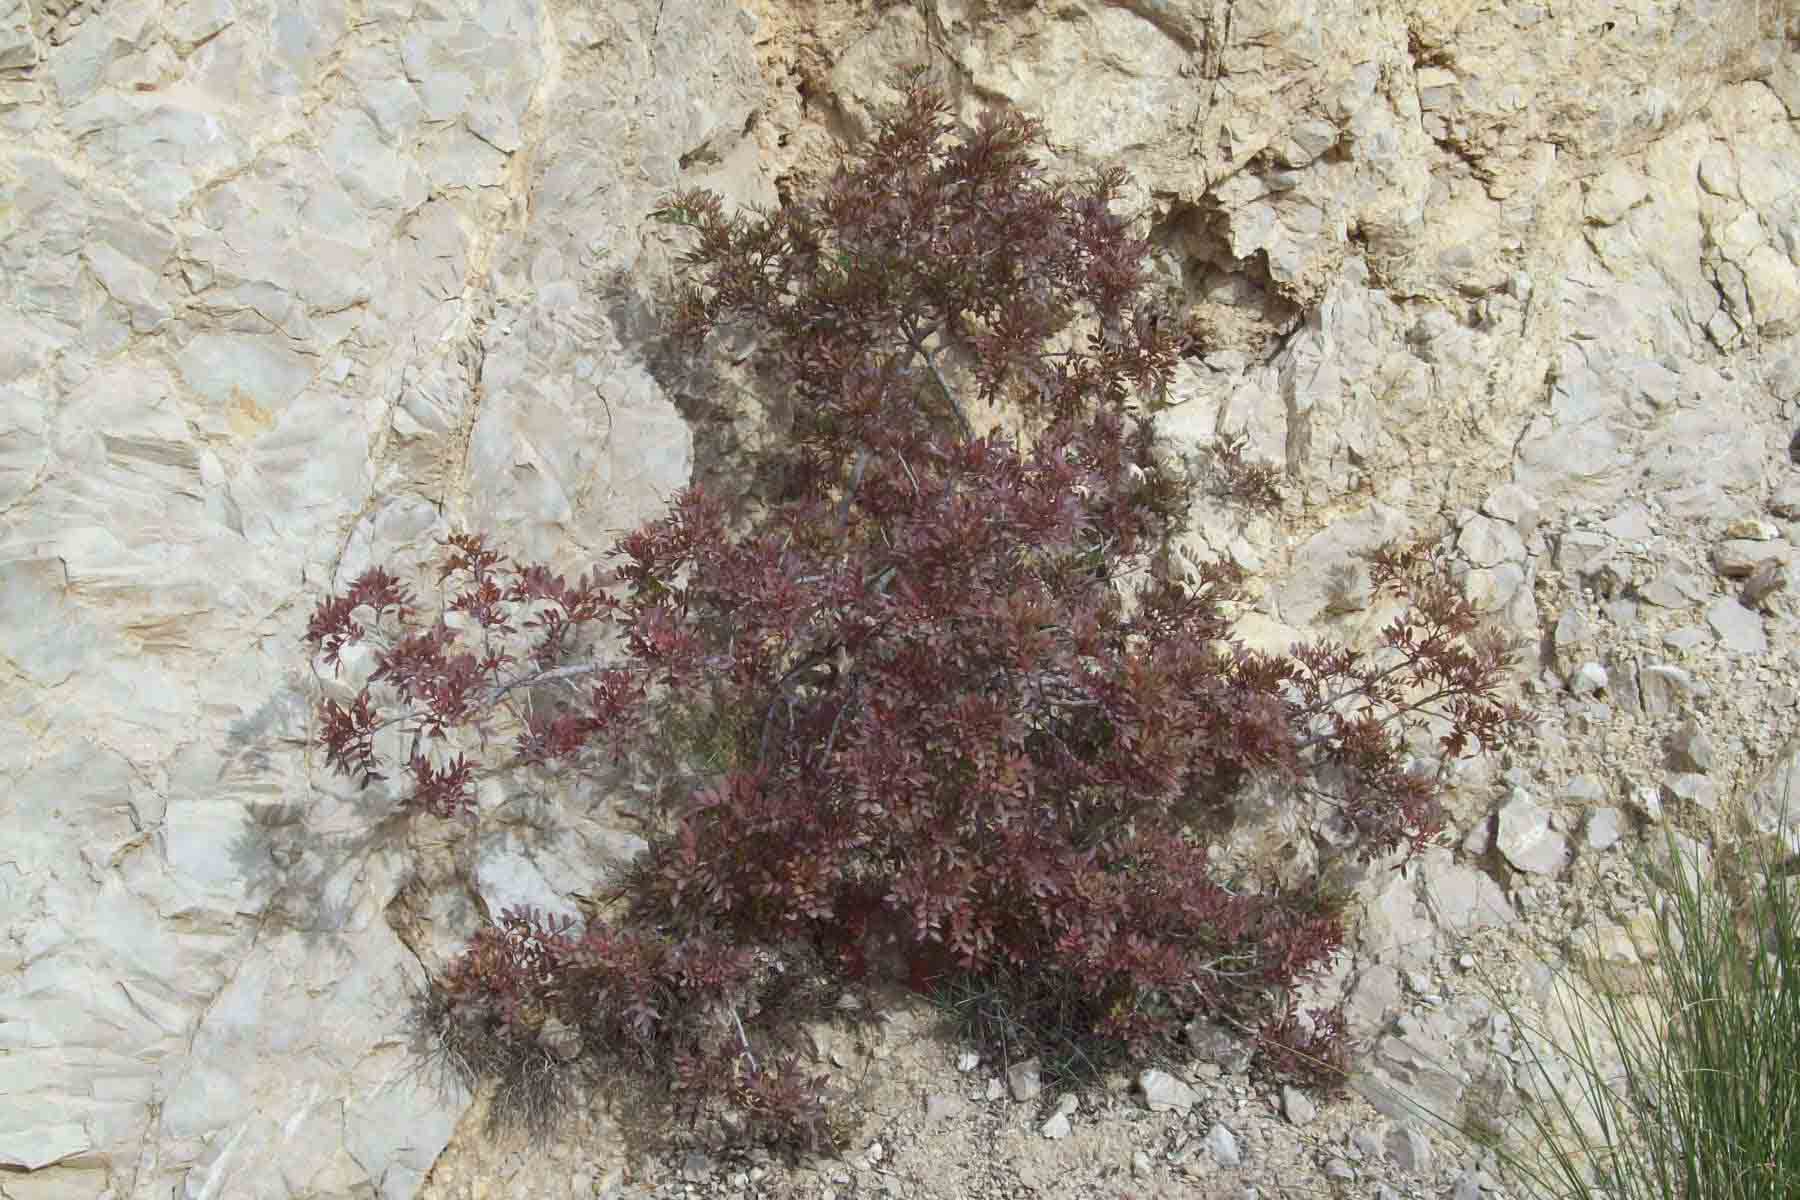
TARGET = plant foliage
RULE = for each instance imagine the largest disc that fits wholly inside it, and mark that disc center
(972, 702)
(1683, 1084)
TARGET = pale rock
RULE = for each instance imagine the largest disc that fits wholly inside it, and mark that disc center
(1740, 237)
(1589, 678)
(1514, 505)
(220, 281)
(1580, 552)
(1773, 282)
(1752, 529)
(1666, 689)
(1739, 557)
(1676, 588)
(1633, 524)
(1415, 1065)
(1590, 717)
(1647, 800)
(1690, 748)
(1245, 556)
(1574, 635)
(267, 270)
(1609, 958)
(1526, 839)
(1217, 1044)
(1297, 1106)
(1718, 173)
(1614, 193)
(1398, 928)
(1374, 998)
(1222, 1144)
(509, 875)
(1771, 578)
(1163, 1092)
(1307, 141)
(1480, 837)
(1331, 578)
(1024, 1081)
(1469, 1186)
(1487, 542)
(1643, 928)
(34, 1147)
(1492, 589)
(18, 45)
(1058, 1126)
(1738, 628)
(1772, 806)
(1696, 789)
(1584, 789)
(1684, 641)
(1786, 501)
(1604, 828)
(1462, 898)
(1409, 1149)
(1680, 860)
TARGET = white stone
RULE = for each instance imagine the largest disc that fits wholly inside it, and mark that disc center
(1526, 839)
(1614, 193)
(1164, 1093)
(1057, 1126)
(1487, 542)
(1513, 504)
(1222, 1144)
(1739, 628)
(1666, 689)
(1462, 898)
(1604, 828)
(1773, 282)
(1024, 1081)
(1297, 1106)
(1589, 677)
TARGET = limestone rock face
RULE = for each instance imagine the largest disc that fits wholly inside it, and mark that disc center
(285, 292)
(293, 287)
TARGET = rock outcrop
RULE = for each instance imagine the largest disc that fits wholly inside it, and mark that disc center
(293, 288)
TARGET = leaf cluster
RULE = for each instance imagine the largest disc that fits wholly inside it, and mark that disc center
(974, 702)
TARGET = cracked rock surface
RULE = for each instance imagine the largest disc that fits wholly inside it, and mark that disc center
(288, 289)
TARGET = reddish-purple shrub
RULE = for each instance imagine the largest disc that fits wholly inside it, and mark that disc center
(974, 706)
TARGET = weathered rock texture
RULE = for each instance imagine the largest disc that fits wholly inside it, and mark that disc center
(292, 288)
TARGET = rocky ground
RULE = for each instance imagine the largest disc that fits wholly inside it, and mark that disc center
(288, 289)
(1663, 682)
(1637, 529)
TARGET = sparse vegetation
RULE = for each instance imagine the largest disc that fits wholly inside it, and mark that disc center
(947, 709)
(1688, 1089)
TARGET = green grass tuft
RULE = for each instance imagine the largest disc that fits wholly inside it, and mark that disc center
(1688, 1089)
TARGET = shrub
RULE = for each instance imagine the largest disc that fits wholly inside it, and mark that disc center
(963, 706)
